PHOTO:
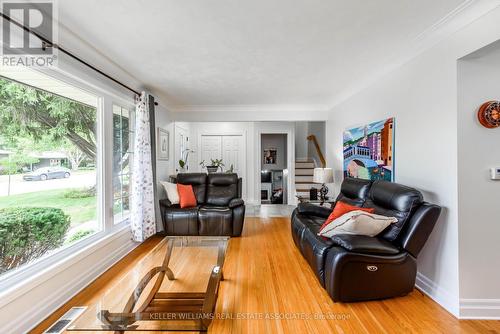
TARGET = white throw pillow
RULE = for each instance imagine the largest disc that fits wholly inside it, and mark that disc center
(171, 190)
(357, 222)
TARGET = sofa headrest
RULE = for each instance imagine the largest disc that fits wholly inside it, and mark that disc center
(394, 196)
(222, 188)
(194, 179)
(222, 179)
(355, 188)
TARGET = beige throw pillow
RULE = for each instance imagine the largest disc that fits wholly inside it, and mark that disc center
(171, 190)
(359, 223)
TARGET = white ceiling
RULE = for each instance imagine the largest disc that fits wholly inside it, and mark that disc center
(260, 52)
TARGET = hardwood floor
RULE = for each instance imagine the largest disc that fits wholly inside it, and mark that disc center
(266, 275)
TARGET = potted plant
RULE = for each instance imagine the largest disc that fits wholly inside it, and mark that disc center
(214, 166)
(231, 169)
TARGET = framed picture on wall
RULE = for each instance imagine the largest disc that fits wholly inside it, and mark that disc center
(270, 156)
(163, 144)
(369, 151)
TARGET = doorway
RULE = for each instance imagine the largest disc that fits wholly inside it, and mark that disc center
(274, 168)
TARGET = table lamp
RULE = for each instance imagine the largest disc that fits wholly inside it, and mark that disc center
(323, 176)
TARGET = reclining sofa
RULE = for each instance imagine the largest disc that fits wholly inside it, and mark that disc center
(357, 268)
(220, 211)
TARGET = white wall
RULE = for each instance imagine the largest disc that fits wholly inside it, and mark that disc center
(301, 142)
(164, 168)
(422, 96)
(478, 195)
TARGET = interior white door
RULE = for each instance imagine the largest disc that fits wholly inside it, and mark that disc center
(232, 153)
(229, 148)
(181, 145)
(211, 148)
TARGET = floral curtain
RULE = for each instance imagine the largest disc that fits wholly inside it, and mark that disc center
(142, 211)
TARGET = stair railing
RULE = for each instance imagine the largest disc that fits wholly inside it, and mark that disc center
(318, 150)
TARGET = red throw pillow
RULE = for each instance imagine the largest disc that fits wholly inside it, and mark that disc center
(341, 209)
(186, 196)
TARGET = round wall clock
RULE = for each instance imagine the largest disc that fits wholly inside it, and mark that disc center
(489, 114)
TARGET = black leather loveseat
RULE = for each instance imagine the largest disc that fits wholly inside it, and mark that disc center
(355, 268)
(220, 210)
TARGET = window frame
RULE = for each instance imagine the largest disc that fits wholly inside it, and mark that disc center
(130, 151)
(55, 262)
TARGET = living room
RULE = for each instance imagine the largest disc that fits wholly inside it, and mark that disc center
(250, 167)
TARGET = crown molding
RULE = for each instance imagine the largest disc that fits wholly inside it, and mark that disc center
(260, 112)
(251, 108)
(442, 23)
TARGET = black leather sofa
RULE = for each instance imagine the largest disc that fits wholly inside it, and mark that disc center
(220, 210)
(356, 268)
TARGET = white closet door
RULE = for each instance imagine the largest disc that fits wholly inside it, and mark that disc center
(211, 148)
(232, 153)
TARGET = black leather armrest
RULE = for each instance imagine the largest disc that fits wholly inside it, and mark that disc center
(236, 202)
(365, 244)
(165, 202)
(313, 210)
(419, 228)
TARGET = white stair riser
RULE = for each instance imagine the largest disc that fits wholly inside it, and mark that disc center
(307, 185)
(304, 165)
(303, 178)
(304, 172)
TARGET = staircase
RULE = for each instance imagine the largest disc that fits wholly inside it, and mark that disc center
(303, 177)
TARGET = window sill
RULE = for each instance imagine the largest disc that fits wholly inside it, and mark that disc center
(26, 279)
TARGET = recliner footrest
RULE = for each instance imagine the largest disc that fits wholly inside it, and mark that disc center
(215, 220)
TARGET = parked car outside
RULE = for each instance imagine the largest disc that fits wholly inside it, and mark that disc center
(46, 173)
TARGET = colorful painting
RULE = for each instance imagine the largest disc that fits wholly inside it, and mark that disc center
(369, 151)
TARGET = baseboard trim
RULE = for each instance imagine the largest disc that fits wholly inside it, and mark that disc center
(437, 293)
(487, 309)
(34, 312)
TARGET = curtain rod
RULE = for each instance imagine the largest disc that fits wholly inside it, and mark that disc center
(46, 43)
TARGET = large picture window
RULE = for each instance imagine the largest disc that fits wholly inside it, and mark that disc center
(48, 173)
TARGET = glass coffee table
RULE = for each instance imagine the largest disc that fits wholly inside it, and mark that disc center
(173, 288)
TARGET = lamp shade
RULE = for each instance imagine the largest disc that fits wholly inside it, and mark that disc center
(323, 175)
